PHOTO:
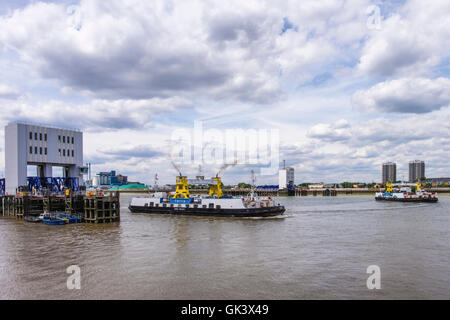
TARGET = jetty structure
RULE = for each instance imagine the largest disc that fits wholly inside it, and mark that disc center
(28, 197)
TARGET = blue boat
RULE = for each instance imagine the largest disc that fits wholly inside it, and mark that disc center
(54, 221)
(67, 218)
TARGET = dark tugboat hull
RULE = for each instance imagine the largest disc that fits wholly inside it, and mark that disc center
(407, 199)
(211, 212)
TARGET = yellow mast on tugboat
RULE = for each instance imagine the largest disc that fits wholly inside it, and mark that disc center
(182, 189)
(216, 189)
(388, 187)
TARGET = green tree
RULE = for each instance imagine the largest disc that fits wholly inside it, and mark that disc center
(243, 185)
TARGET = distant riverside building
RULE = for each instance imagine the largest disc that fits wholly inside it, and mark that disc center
(416, 170)
(438, 181)
(389, 172)
(109, 178)
(286, 177)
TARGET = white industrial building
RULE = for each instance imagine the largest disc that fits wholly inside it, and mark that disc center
(45, 147)
(286, 177)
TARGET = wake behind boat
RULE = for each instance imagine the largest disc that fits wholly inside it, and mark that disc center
(216, 204)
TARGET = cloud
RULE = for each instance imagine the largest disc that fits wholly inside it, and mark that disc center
(337, 131)
(139, 151)
(405, 95)
(134, 50)
(410, 40)
(7, 92)
(94, 115)
(141, 50)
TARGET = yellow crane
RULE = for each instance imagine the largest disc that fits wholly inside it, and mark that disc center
(388, 187)
(182, 189)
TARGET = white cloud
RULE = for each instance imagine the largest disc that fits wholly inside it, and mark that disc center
(410, 41)
(94, 115)
(7, 92)
(140, 50)
(337, 131)
(405, 95)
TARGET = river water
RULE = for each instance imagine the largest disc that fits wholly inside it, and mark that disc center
(321, 250)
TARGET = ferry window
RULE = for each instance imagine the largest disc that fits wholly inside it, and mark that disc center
(195, 205)
(156, 204)
(40, 136)
(45, 137)
(31, 150)
(218, 206)
(164, 205)
(211, 205)
(64, 139)
(151, 204)
(204, 206)
(31, 135)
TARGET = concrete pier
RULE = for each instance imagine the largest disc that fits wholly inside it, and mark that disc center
(94, 209)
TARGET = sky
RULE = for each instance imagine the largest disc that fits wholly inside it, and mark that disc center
(348, 84)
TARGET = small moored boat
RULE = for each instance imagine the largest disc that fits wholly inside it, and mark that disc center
(32, 219)
(54, 221)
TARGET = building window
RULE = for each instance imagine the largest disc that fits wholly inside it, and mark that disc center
(45, 150)
(35, 136)
(31, 150)
(72, 140)
(45, 137)
(64, 139)
(68, 139)
(64, 152)
(35, 150)
(31, 135)
(40, 136)
(72, 153)
(59, 138)
(40, 150)
(59, 152)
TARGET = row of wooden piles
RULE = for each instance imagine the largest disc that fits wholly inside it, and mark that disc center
(94, 209)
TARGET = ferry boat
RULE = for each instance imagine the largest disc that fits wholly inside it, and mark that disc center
(215, 204)
(405, 194)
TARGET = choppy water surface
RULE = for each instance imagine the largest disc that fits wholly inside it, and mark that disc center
(320, 251)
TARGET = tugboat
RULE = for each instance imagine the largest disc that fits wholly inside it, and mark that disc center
(215, 204)
(405, 194)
